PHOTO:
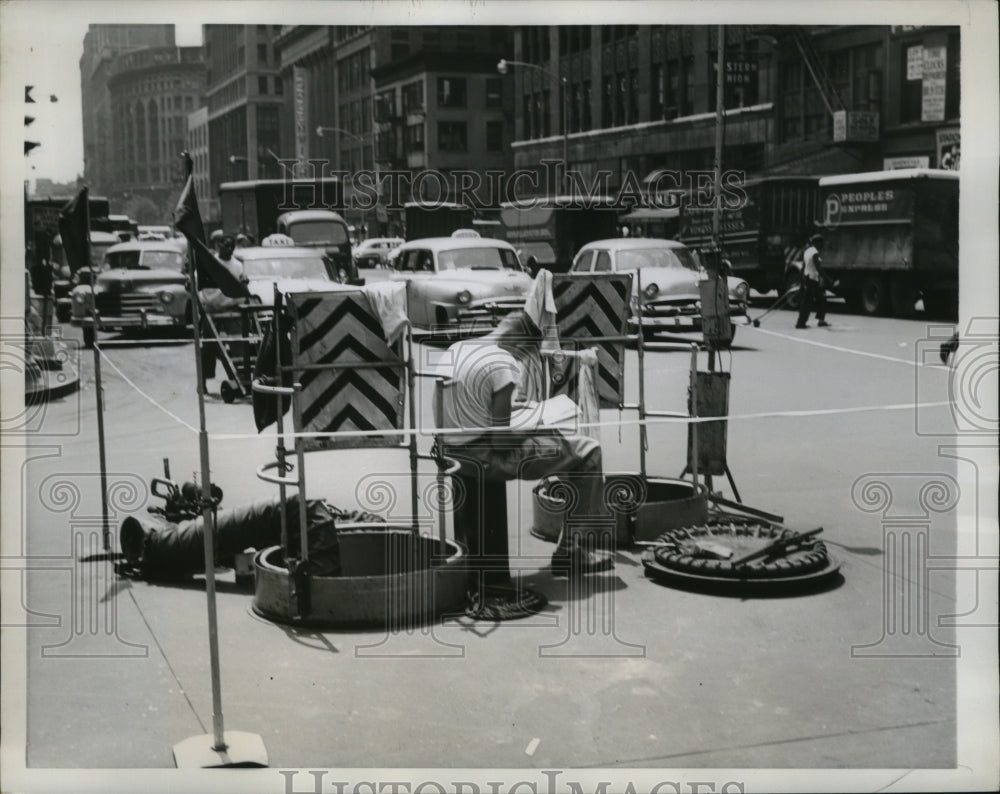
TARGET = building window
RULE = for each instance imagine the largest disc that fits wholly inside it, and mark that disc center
(494, 92)
(658, 92)
(528, 115)
(452, 136)
(953, 84)
(632, 104)
(451, 92)
(866, 91)
(385, 105)
(911, 93)
(414, 137)
(262, 53)
(262, 85)
(279, 86)
(400, 43)
(494, 136)
(585, 120)
(413, 97)
(687, 101)
(607, 107)
(791, 101)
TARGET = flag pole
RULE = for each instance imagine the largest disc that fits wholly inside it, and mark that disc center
(99, 384)
(208, 513)
(241, 749)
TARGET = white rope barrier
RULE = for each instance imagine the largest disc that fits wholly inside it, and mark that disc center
(685, 420)
(143, 394)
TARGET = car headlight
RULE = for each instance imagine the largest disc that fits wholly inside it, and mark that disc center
(80, 298)
(651, 291)
(342, 275)
(166, 297)
(464, 297)
(741, 291)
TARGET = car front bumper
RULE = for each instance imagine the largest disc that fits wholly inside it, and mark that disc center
(144, 319)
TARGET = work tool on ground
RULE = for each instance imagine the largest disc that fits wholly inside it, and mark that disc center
(781, 301)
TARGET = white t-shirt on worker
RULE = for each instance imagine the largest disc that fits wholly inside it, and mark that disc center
(478, 370)
(809, 268)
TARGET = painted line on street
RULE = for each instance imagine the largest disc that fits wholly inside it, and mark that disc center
(143, 394)
(839, 349)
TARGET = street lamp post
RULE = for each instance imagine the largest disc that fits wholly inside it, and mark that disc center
(233, 160)
(321, 129)
(503, 67)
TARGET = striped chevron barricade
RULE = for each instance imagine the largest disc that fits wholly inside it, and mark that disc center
(592, 310)
(350, 376)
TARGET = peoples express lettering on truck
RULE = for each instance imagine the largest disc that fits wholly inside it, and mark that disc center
(867, 205)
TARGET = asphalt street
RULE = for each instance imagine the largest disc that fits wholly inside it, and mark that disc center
(840, 427)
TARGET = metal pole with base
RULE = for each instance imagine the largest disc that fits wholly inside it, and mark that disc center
(98, 386)
(219, 748)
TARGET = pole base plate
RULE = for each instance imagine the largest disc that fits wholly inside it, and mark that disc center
(242, 750)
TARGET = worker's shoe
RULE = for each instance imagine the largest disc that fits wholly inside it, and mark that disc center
(823, 324)
(801, 325)
(579, 561)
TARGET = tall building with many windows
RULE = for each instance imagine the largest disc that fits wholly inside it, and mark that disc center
(410, 98)
(641, 100)
(152, 92)
(244, 94)
(101, 45)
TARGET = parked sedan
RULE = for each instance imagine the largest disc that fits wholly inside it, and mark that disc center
(667, 273)
(141, 285)
(289, 268)
(375, 251)
(460, 285)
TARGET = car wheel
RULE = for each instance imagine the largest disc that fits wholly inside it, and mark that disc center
(874, 295)
(903, 297)
(793, 281)
(88, 337)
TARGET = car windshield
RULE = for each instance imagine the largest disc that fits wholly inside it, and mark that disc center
(169, 260)
(321, 232)
(126, 260)
(636, 258)
(274, 267)
(485, 258)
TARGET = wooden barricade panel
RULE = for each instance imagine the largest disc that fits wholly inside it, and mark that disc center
(592, 310)
(331, 332)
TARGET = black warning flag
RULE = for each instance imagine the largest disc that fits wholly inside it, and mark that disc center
(187, 220)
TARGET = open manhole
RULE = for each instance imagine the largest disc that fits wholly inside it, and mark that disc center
(738, 555)
(391, 577)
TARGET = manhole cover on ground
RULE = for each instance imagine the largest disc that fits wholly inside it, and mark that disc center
(712, 554)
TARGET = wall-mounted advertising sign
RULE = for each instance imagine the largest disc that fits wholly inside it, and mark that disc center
(915, 62)
(896, 163)
(300, 100)
(949, 148)
(855, 126)
(934, 80)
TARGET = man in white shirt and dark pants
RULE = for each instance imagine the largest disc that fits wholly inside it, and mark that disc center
(813, 293)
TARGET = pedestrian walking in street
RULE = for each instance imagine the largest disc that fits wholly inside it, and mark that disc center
(813, 289)
(224, 311)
